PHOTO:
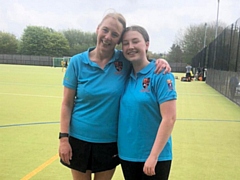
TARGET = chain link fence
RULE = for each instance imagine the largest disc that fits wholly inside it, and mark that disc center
(26, 60)
(222, 60)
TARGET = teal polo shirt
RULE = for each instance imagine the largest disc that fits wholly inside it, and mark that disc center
(98, 91)
(140, 117)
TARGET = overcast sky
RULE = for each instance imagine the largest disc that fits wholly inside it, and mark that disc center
(162, 19)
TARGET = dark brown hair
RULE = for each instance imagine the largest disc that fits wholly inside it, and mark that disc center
(139, 29)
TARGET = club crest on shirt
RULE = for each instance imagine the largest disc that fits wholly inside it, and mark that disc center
(145, 84)
(170, 86)
(118, 66)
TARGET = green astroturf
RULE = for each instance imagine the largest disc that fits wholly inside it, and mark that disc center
(206, 136)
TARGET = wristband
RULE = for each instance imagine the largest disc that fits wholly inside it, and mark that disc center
(61, 135)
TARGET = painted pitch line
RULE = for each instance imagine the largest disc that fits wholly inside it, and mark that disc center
(40, 168)
(200, 94)
(28, 84)
(31, 95)
(28, 124)
(209, 120)
(192, 94)
(57, 122)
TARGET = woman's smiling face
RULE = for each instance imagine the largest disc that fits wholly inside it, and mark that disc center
(134, 46)
(109, 33)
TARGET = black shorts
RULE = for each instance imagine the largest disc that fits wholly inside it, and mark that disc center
(188, 75)
(96, 157)
(134, 170)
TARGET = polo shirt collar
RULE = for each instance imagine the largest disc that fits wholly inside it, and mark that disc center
(115, 57)
(145, 70)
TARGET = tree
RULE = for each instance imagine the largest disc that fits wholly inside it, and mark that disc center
(192, 40)
(79, 41)
(8, 43)
(152, 55)
(58, 45)
(175, 54)
(43, 41)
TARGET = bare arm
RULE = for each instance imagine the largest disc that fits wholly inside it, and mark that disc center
(65, 151)
(168, 111)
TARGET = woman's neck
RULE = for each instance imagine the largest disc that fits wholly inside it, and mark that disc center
(100, 57)
(139, 65)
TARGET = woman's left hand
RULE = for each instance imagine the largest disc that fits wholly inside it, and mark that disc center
(162, 64)
(149, 166)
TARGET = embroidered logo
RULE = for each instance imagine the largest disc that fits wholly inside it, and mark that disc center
(145, 84)
(118, 65)
(170, 86)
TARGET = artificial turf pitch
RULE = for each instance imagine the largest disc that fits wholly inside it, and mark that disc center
(206, 136)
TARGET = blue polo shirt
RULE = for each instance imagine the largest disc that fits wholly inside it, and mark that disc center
(140, 117)
(98, 91)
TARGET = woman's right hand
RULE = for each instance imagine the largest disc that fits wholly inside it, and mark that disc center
(65, 150)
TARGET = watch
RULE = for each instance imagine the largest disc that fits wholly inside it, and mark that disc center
(61, 135)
